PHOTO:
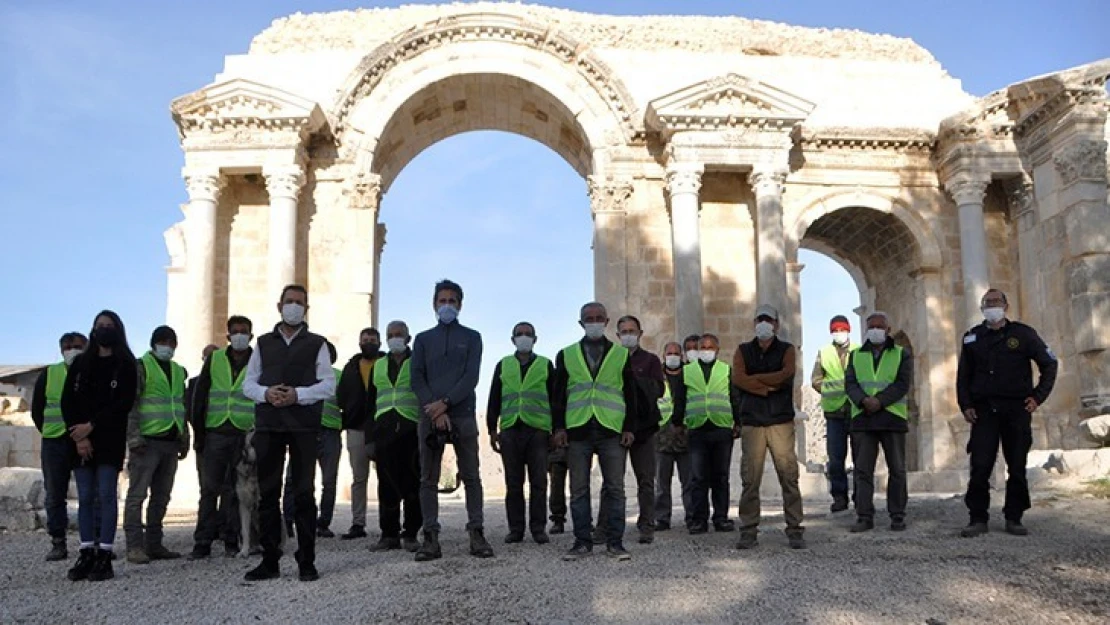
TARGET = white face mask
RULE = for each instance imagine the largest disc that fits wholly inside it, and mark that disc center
(840, 338)
(994, 315)
(240, 342)
(673, 361)
(447, 313)
(691, 355)
(764, 330)
(876, 336)
(630, 340)
(707, 355)
(524, 343)
(594, 330)
(396, 344)
(163, 352)
(292, 314)
(70, 355)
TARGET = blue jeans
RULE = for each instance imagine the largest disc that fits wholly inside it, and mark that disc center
(57, 464)
(329, 446)
(97, 503)
(837, 445)
(611, 458)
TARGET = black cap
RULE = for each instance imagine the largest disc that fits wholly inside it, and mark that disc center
(162, 334)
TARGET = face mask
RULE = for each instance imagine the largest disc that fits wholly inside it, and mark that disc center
(994, 315)
(292, 314)
(396, 344)
(70, 355)
(630, 340)
(447, 314)
(876, 336)
(673, 361)
(240, 342)
(707, 356)
(106, 336)
(840, 338)
(163, 352)
(764, 330)
(524, 343)
(369, 350)
(691, 355)
(594, 330)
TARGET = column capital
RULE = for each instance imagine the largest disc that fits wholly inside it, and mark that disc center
(608, 194)
(203, 184)
(284, 182)
(684, 178)
(768, 180)
(1082, 161)
(967, 190)
(366, 191)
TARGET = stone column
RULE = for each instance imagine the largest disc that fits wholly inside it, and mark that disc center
(768, 183)
(608, 203)
(683, 184)
(204, 188)
(968, 194)
(284, 186)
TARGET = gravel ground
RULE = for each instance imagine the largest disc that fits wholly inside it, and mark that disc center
(1059, 574)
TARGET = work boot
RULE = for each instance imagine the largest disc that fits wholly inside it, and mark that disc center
(159, 552)
(839, 504)
(479, 546)
(898, 525)
(262, 572)
(1016, 528)
(308, 573)
(697, 527)
(356, 531)
(57, 550)
(324, 532)
(974, 529)
(200, 552)
(541, 537)
(410, 544)
(84, 564)
(136, 555)
(386, 543)
(430, 549)
(662, 526)
(724, 526)
(862, 525)
(647, 536)
(796, 541)
(514, 537)
(557, 527)
(102, 567)
(748, 540)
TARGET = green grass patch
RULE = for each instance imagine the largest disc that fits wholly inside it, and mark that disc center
(1099, 488)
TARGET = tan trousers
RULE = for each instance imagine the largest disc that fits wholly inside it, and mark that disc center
(755, 441)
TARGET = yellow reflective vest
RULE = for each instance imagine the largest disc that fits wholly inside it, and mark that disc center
(162, 401)
(833, 396)
(53, 424)
(601, 397)
(395, 396)
(225, 396)
(707, 400)
(873, 382)
(524, 398)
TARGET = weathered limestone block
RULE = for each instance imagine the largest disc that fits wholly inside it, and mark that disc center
(1097, 429)
(21, 494)
(1089, 283)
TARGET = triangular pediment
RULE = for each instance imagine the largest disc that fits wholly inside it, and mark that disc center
(240, 100)
(729, 100)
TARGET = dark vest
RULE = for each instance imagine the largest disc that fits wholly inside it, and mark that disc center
(293, 365)
(778, 406)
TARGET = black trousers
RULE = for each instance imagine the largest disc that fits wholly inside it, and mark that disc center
(271, 447)
(1010, 424)
(524, 452)
(557, 474)
(710, 461)
(219, 505)
(398, 471)
(866, 449)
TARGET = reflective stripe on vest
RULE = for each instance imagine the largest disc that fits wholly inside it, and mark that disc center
(53, 424)
(707, 401)
(162, 402)
(833, 396)
(873, 382)
(666, 405)
(525, 399)
(225, 397)
(397, 396)
(331, 417)
(602, 397)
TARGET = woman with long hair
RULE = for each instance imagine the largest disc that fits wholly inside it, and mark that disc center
(100, 390)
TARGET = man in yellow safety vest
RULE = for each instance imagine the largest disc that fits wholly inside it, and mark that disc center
(828, 379)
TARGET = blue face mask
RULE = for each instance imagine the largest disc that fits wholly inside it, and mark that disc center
(447, 313)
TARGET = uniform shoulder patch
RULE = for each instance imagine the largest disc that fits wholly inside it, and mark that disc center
(1051, 354)
(1013, 343)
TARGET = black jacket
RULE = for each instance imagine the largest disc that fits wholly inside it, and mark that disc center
(102, 391)
(883, 420)
(351, 394)
(994, 365)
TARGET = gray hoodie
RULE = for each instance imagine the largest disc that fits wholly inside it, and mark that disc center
(445, 363)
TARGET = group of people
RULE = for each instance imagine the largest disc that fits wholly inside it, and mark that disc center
(283, 399)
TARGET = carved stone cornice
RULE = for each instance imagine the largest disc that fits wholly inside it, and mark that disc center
(1086, 98)
(608, 194)
(244, 113)
(366, 191)
(966, 190)
(1021, 198)
(284, 182)
(768, 181)
(203, 185)
(727, 102)
(1081, 161)
(853, 139)
(684, 179)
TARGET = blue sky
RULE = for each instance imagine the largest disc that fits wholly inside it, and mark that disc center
(90, 164)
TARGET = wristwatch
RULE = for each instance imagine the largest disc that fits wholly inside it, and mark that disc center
(446, 401)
